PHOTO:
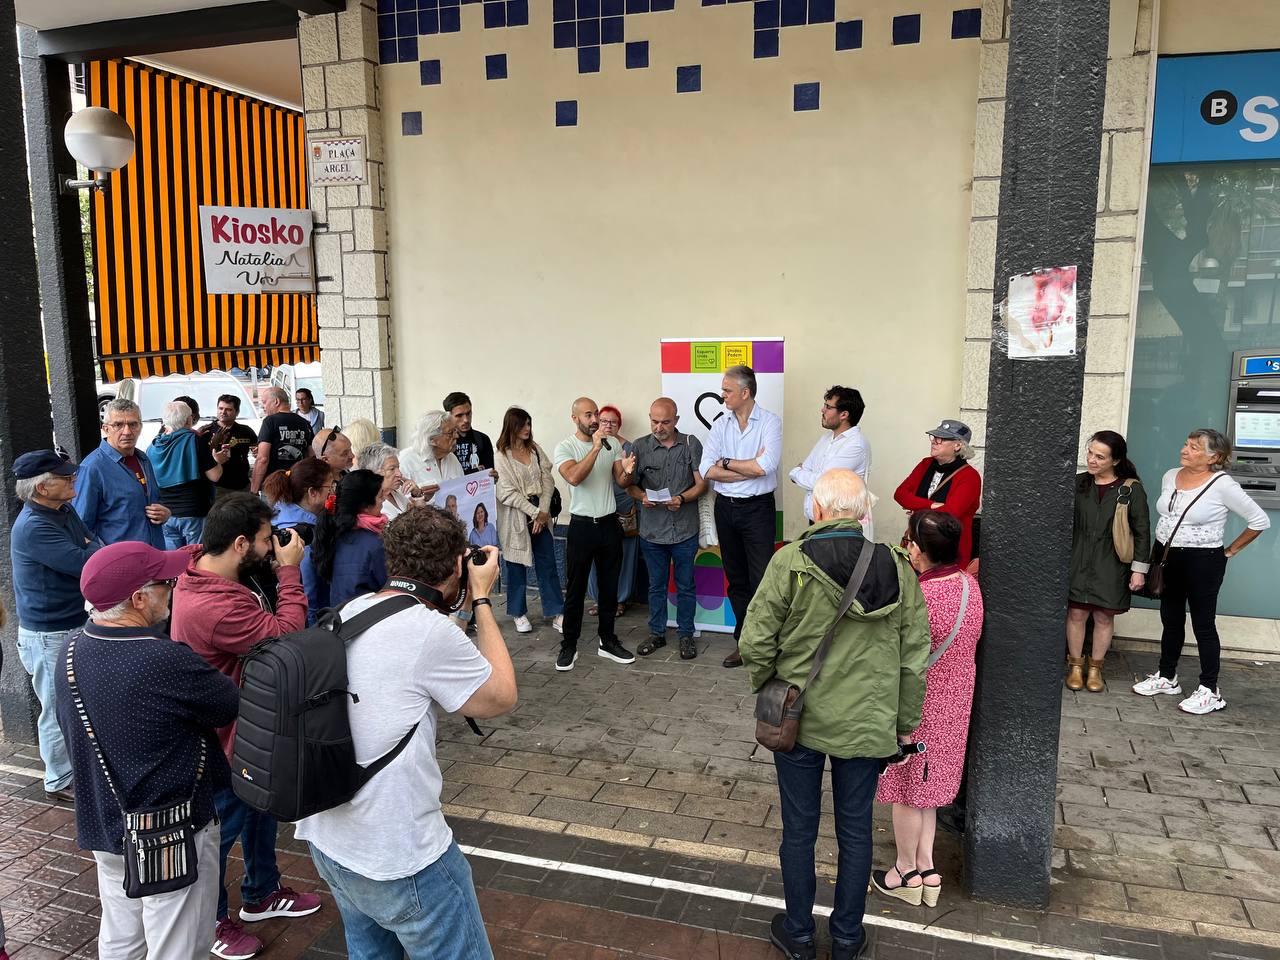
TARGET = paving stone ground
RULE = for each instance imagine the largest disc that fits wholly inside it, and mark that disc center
(1166, 845)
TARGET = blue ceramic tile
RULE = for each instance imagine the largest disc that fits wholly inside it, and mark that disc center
(407, 49)
(822, 11)
(495, 14)
(657, 5)
(588, 33)
(406, 24)
(387, 26)
(638, 55)
(611, 30)
(566, 113)
(450, 20)
(588, 59)
(495, 66)
(388, 52)
(429, 70)
(411, 123)
(588, 9)
(906, 28)
(386, 6)
(849, 35)
(766, 44)
(612, 8)
(406, 6)
(767, 14)
(564, 35)
(689, 78)
(428, 22)
(637, 6)
(517, 13)
(966, 23)
(428, 5)
(793, 12)
(561, 10)
(805, 96)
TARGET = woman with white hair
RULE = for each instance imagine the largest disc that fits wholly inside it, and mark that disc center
(383, 460)
(186, 471)
(946, 480)
(429, 461)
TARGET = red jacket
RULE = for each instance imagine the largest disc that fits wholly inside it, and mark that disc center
(961, 498)
(221, 619)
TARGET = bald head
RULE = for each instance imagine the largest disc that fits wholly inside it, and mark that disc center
(840, 494)
(663, 419)
(585, 416)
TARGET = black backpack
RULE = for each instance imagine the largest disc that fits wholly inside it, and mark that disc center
(293, 751)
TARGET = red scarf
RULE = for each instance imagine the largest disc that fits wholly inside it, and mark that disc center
(372, 523)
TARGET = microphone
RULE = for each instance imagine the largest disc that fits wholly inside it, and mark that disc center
(605, 443)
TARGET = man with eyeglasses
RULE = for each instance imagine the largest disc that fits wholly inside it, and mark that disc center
(333, 447)
(117, 495)
(842, 447)
(238, 438)
(48, 549)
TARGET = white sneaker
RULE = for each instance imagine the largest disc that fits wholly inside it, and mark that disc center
(523, 625)
(558, 624)
(1203, 700)
(1156, 684)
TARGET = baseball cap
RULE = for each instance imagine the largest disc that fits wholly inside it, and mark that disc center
(952, 430)
(39, 462)
(117, 570)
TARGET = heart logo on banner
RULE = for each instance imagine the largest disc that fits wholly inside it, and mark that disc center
(472, 487)
(697, 409)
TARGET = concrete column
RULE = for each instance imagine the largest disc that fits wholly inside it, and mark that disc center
(341, 98)
(1052, 122)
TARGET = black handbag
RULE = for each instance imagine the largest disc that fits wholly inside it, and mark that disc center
(159, 842)
(556, 505)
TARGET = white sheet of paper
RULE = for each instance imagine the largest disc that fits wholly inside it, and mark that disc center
(658, 496)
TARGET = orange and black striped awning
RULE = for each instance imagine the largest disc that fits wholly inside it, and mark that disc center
(197, 146)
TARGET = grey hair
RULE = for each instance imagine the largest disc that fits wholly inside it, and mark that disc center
(375, 456)
(1216, 444)
(430, 425)
(116, 612)
(841, 492)
(745, 376)
(280, 393)
(121, 405)
(176, 415)
(24, 490)
(965, 452)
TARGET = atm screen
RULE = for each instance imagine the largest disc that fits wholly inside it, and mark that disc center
(1257, 429)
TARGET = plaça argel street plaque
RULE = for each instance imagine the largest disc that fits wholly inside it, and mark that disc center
(337, 160)
(256, 250)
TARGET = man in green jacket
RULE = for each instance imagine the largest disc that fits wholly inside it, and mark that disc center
(866, 698)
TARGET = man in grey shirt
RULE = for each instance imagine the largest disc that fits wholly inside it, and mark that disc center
(667, 460)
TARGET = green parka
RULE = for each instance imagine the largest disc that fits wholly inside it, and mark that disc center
(1097, 575)
(871, 687)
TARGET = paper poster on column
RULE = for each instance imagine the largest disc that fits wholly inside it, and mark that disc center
(692, 371)
(473, 500)
(1041, 314)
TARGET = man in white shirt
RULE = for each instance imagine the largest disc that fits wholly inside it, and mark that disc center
(741, 458)
(842, 448)
(397, 876)
(590, 464)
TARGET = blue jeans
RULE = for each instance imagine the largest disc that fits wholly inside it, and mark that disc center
(853, 786)
(544, 562)
(180, 531)
(432, 915)
(256, 832)
(39, 655)
(659, 557)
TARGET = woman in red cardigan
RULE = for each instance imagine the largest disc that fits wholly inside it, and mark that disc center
(946, 481)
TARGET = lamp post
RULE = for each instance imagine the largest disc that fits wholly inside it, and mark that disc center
(101, 141)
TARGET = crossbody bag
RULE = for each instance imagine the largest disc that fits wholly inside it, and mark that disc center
(159, 842)
(946, 481)
(964, 608)
(1154, 585)
(1121, 532)
(553, 510)
(780, 703)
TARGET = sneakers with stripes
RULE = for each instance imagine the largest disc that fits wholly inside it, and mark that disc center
(1156, 684)
(230, 942)
(1202, 701)
(283, 903)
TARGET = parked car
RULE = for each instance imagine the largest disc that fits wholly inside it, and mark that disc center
(152, 393)
(291, 376)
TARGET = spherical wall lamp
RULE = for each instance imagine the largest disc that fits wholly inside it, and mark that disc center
(101, 141)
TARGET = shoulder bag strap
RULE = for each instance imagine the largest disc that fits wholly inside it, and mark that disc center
(846, 601)
(947, 479)
(362, 621)
(964, 608)
(1177, 526)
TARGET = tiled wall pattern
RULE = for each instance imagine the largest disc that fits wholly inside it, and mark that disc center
(406, 29)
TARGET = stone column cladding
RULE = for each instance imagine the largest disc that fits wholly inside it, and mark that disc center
(340, 94)
(1122, 185)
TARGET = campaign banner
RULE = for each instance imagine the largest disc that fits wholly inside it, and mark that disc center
(472, 499)
(692, 371)
(256, 250)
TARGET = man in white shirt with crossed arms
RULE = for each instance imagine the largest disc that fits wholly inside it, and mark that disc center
(844, 447)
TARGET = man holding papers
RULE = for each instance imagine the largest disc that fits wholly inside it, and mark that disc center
(667, 487)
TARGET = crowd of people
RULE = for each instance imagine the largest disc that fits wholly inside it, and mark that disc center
(222, 539)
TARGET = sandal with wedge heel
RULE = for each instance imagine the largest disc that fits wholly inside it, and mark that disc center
(931, 893)
(908, 895)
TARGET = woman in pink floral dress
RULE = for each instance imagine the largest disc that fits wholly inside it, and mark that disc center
(931, 779)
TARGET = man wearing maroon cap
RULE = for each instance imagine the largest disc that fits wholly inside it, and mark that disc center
(152, 703)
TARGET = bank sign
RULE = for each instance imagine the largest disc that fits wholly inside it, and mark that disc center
(256, 250)
(1219, 107)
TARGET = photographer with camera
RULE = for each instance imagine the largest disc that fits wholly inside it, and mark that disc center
(397, 876)
(220, 618)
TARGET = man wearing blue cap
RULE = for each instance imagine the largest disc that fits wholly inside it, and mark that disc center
(48, 549)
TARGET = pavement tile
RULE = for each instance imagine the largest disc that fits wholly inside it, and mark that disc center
(553, 785)
(1264, 914)
(692, 783)
(670, 825)
(1252, 859)
(1105, 818)
(742, 769)
(1180, 905)
(538, 762)
(519, 820)
(1088, 891)
(762, 839)
(608, 836)
(749, 813)
(593, 750)
(497, 798)
(579, 811)
(1093, 776)
(611, 772)
(1233, 935)
(521, 740)
(1118, 868)
(470, 752)
(1082, 838)
(1244, 813)
(1080, 793)
(1150, 803)
(1260, 793)
(643, 798)
(1237, 883)
(667, 760)
(1170, 851)
(488, 776)
(1233, 773)
(1201, 787)
(705, 851)
(1223, 832)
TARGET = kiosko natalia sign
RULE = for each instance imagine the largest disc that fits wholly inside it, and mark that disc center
(337, 160)
(1218, 107)
(256, 250)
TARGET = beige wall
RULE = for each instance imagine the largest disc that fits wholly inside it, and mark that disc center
(1219, 26)
(530, 264)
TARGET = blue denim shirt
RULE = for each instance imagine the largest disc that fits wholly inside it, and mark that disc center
(111, 501)
(48, 551)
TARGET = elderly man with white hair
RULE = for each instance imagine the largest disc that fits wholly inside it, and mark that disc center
(429, 461)
(283, 439)
(843, 619)
(186, 471)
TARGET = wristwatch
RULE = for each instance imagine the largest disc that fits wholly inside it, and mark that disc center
(724, 462)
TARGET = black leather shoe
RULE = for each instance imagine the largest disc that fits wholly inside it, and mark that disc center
(792, 949)
(844, 950)
(655, 641)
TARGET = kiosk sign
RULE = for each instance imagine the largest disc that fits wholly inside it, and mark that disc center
(338, 160)
(256, 250)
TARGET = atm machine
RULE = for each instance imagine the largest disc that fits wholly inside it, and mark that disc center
(1253, 424)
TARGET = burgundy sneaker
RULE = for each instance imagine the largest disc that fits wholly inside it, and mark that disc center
(230, 942)
(283, 903)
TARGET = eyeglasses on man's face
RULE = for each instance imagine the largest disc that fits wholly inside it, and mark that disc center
(123, 424)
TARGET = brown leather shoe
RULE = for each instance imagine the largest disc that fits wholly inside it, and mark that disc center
(65, 795)
(733, 660)
(1075, 673)
(1094, 683)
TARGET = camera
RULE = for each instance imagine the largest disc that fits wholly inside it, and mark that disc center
(305, 531)
(475, 555)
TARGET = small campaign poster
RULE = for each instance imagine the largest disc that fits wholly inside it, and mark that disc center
(474, 501)
(1041, 313)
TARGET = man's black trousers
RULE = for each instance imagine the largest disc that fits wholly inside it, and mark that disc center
(746, 529)
(592, 541)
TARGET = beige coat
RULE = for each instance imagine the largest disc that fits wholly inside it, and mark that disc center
(515, 483)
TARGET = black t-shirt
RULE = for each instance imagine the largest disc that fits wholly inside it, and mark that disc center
(290, 437)
(474, 452)
(194, 498)
(240, 439)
